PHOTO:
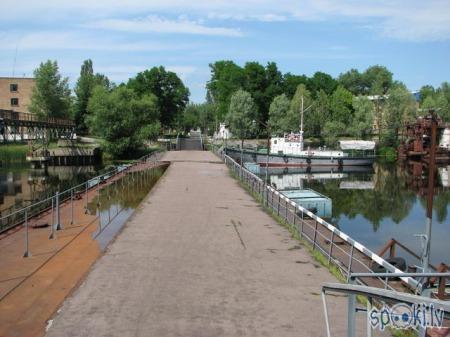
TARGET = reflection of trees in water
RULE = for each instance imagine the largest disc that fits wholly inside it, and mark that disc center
(389, 199)
(127, 192)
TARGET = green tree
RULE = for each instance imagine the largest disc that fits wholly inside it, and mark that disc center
(226, 78)
(83, 91)
(378, 80)
(353, 81)
(281, 118)
(123, 119)
(426, 91)
(320, 112)
(190, 117)
(322, 81)
(332, 130)
(241, 116)
(171, 94)
(291, 83)
(341, 109)
(362, 123)
(401, 107)
(51, 94)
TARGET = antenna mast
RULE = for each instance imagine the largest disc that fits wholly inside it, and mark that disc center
(14, 63)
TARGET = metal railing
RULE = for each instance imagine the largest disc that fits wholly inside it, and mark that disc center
(10, 115)
(49, 209)
(348, 255)
(399, 305)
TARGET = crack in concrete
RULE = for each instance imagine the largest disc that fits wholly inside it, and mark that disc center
(237, 232)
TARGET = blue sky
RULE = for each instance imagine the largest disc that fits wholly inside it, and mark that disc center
(411, 38)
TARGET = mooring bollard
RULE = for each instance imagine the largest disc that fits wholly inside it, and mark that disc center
(27, 243)
(58, 215)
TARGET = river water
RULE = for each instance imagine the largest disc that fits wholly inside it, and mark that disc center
(371, 205)
(385, 201)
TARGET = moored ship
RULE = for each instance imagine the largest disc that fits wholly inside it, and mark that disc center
(288, 151)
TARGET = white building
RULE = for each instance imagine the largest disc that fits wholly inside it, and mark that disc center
(223, 133)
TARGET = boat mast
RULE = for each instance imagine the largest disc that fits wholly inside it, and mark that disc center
(301, 127)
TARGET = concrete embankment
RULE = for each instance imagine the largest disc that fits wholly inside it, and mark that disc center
(201, 258)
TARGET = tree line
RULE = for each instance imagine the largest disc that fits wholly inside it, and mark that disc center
(124, 115)
(256, 99)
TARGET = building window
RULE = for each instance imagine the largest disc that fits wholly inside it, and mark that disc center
(14, 87)
(14, 102)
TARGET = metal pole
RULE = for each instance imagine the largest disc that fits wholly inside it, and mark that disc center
(71, 207)
(86, 196)
(425, 259)
(351, 315)
(27, 242)
(331, 247)
(58, 215)
(52, 234)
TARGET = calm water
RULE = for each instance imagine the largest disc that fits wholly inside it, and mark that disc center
(383, 202)
(20, 185)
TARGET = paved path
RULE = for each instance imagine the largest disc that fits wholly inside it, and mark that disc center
(200, 258)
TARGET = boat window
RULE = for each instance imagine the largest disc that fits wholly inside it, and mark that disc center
(275, 141)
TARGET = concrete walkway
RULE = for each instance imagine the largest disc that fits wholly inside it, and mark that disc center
(200, 258)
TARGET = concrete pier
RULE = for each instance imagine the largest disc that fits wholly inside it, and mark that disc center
(200, 258)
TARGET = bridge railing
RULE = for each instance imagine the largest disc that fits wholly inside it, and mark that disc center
(10, 115)
(49, 207)
(339, 249)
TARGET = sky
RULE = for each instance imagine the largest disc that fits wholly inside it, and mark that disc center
(124, 37)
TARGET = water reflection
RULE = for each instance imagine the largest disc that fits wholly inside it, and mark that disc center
(117, 201)
(388, 201)
(21, 185)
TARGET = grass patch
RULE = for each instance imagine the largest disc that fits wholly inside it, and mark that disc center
(13, 153)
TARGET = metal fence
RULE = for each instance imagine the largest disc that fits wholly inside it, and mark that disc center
(348, 255)
(47, 212)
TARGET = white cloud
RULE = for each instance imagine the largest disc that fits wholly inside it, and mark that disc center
(71, 40)
(414, 20)
(182, 71)
(156, 24)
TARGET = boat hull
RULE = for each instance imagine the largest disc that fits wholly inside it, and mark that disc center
(276, 160)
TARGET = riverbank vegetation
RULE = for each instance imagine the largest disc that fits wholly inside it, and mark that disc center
(125, 117)
(364, 105)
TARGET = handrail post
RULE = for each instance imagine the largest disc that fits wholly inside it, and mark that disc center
(315, 235)
(350, 263)
(27, 241)
(52, 220)
(331, 247)
(71, 206)
(58, 214)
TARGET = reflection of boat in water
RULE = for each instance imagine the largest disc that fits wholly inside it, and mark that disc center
(288, 152)
(357, 185)
(311, 200)
(295, 181)
(316, 170)
(444, 173)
